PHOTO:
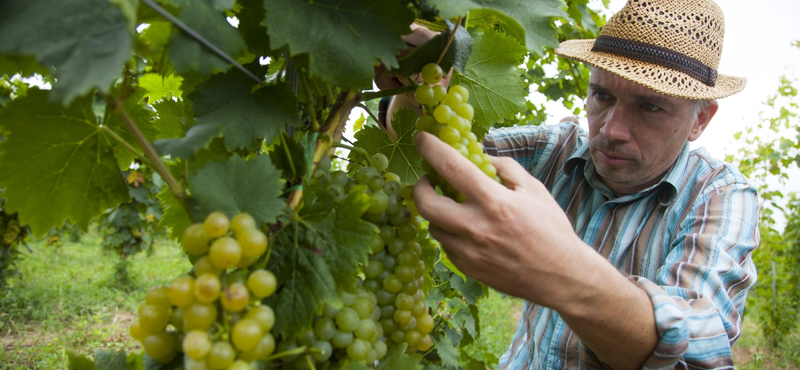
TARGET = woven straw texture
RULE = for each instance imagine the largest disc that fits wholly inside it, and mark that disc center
(690, 27)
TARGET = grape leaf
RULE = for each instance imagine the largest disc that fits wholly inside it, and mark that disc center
(156, 35)
(307, 282)
(345, 38)
(25, 65)
(228, 100)
(404, 159)
(110, 360)
(186, 53)
(446, 351)
(397, 359)
(79, 362)
(471, 289)
(235, 186)
(173, 117)
(492, 77)
(57, 163)
(85, 42)
(142, 116)
(289, 156)
(151, 364)
(456, 56)
(174, 218)
(535, 17)
(159, 87)
(253, 33)
(197, 137)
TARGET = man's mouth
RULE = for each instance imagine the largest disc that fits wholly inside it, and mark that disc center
(612, 158)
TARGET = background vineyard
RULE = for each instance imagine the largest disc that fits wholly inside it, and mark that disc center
(71, 277)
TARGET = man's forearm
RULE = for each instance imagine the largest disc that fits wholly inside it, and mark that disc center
(609, 313)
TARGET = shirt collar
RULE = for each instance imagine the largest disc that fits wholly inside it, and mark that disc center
(582, 158)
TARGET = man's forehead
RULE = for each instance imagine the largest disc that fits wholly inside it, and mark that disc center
(603, 80)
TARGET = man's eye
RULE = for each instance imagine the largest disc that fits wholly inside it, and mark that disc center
(650, 106)
(601, 95)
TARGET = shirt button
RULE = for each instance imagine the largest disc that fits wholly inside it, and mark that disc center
(558, 364)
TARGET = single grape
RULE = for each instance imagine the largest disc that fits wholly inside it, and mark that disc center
(160, 346)
(380, 161)
(342, 339)
(489, 170)
(425, 123)
(449, 135)
(246, 262)
(432, 73)
(373, 269)
(196, 344)
(176, 319)
(216, 224)
(252, 242)
(460, 90)
(398, 336)
(405, 273)
(153, 318)
(425, 324)
(264, 315)
(466, 111)
(424, 94)
(324, 163)
(347, 319)
(363, 307)
(242, 222)
(195, 240)
(419, 309)
(199, 316)
(181, 291)
(265, 347)
(284, 346)
(203, 266)
(339, 178)
(375, 183)
(358, 350)
(136, 331)
(392, 284)
(262, 283)
(239, 365)
(442, 113)
(206, 288)
(246, 334)
(439, 92)
(235, 297)
(412, 338)
(221, 355)
(379, 202)
(453, 100)
(225, 252)
(157, 296)
(404, 302)
(380, 349)
(365, 330)
(324, 328)
(402, 317)
(324, 350)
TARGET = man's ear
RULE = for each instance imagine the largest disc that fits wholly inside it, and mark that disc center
(702, 119)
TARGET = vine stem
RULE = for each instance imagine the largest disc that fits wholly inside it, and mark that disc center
(361, 151)
(382, 127)
(312, 110)
(157, 164)
(126, 145)
(449, 41)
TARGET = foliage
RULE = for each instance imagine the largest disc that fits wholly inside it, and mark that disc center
(232, 104)
(13, 237)
(770, 151)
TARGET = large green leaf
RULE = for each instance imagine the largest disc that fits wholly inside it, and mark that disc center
(253, 33)
(159, 87)
(397, 359)
(197, 137)
(404, 159)
(57, 163)
(456, 56)
(535, 17)
(25, 65)
(86, 42)
(235, 186)
(343, 38)
(110, 360)
(173, 118)
(228, 100)
(186, 53)
(142, 117)
(174, 218)
(492, 77)
(79, 362)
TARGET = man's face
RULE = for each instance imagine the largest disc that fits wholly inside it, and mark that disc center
(636, 133)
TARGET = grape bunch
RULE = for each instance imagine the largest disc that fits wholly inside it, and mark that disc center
(395, 273)
(449, 117)
(213, 317)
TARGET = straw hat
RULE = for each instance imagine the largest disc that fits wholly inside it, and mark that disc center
(670, 46)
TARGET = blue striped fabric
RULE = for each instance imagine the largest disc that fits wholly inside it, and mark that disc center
(687, 241)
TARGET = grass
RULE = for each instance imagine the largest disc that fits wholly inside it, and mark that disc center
(66, 300)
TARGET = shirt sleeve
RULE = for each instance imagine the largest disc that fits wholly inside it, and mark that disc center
(700, 291)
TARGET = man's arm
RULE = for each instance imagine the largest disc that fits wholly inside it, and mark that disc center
(516, 239)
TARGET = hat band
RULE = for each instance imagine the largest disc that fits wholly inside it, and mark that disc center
(657, 55)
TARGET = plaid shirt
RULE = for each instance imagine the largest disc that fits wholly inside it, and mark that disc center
(686, 241)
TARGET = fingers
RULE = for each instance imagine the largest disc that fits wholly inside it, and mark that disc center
(439, 210)
(513, 174)
(458, 171)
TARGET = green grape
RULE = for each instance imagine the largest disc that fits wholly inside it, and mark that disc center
(206, 288)
(239, 365)
(432, 73)
(404, 302)
(425, 343)
(246, 334)
(392, 187)
(265, 347)
(424, 123)
(389, 263)
(401, 218)
(376, 246)
(476, 159)
(342, 339)
(372, 285)
(461, 149)
(424, 94)
(376, 183)
(235, 297)
(160, 346)
(196, 344)
(284, 346)
(402, 317)
(376, 312)
(262, 283)
(453, 100)
(419, 295)
(388, 233)
(324, 163)
(245, 262)
(307, 338)
(324, 328)
(380, 349)
(157, 296)
(392, 284)
(460, 90)
(264, 315)
(330, 311)
(398, 336)
(394, 205)
(425, 324)
(442, 113)
(418, 309)
(358, 350)
(199, 316)
(380, 161)
(347, 298)
(216, 224)
(365, 330)
(221, 355)
(407, 232)
(347, 319)
(379, 202)
(225, 252)
(412, 338)
(176, 320)
(384, 297)
(391, 176)
(252, 242)
(489, 170)
(242, 222)
(372, 356)
(410, 325)
(439, 92)
(363, 307)
(421, 267)
(195, 240)
(472, 137)
(407, 258)
(410, 287)
(203, 266)
(449, 135)
(405, 273)
(465, 111)
(397, 246)
(324, 350)
(387, 311)
(415, 248)
(153, 318)
(373, 269)
(365, 173)
(388, 324)
(136, 331)
(192, 364)
(339, 178)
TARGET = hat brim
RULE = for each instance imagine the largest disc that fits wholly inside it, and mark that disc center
(657, 78)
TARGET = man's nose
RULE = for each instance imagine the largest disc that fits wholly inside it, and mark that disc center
(615, 127)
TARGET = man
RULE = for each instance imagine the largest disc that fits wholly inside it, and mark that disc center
(630, 250)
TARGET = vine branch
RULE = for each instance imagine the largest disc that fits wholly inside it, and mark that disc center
(449, 41)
